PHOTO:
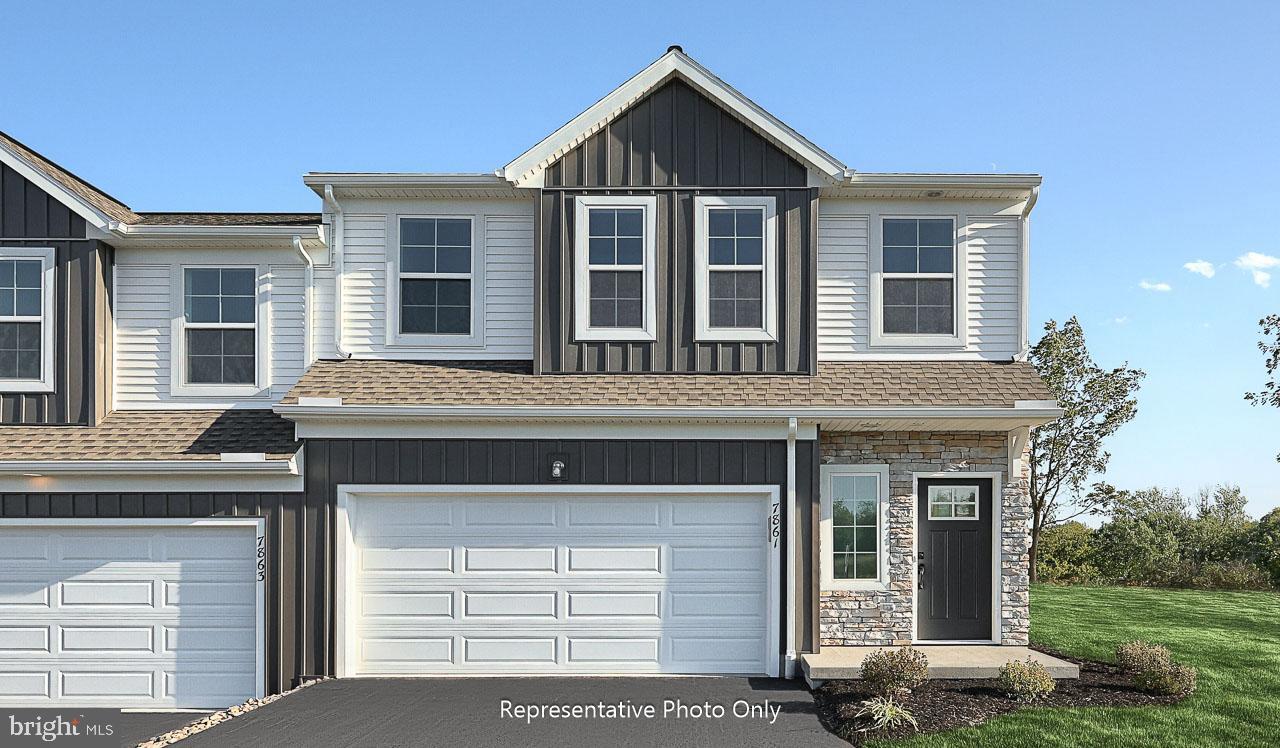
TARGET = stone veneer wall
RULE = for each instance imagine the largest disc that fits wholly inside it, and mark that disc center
(883, 617)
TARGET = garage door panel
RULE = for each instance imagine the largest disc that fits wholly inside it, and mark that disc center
(646, 560)
(509, 559)
(522, 514)
(601, 584)
(25, 549)
(113, 611)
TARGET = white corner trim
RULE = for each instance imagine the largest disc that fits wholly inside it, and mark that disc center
(825, 540)
(526, 169)
(221, 466)
(770, 312)
(48, 319)
(582, 269)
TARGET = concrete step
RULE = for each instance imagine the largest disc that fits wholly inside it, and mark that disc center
(945, 661)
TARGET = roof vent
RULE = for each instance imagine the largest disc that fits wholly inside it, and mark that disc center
(676, 48)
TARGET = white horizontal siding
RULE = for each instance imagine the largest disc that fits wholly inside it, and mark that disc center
(843, 314)
(504, 244)
(148, 300)
(990, 286)
(993, 252)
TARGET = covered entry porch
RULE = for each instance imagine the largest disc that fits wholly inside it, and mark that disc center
(951, 661)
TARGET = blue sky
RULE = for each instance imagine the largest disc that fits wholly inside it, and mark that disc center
(1154, 125)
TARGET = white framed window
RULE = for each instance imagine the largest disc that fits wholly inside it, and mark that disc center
(27, 276)
(953, 502)
(435, 271)
(918, 291)
(736, 257)
(615, 284)
(219, 341)
(853, 532)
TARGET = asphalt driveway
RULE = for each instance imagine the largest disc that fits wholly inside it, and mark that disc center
(514, 712)
(134, 727)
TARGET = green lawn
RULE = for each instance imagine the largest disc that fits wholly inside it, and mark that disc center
(1232, 638)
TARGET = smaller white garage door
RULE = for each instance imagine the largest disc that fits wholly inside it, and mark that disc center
(559, 580)
(155, 615)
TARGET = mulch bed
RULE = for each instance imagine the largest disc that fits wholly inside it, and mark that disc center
(942, 705)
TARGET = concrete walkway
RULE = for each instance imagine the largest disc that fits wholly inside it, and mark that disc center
(945, 661)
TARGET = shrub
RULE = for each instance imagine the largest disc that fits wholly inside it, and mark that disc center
(1173, 679)
(1064, 554)
(885, 712)
(1025, 681)
(888, 672)
(1140, 656)
(1230, 575)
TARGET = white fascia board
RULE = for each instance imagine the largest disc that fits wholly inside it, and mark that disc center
(316, 180)
(36, 468)
(301, 413)
(952, 181)
(527, 167)
(169, 232)
(88, 212)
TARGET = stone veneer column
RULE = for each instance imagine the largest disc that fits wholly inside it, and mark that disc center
(884, 617)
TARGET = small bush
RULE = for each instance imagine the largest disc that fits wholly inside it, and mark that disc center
(1025, 681)
(1140, 656)
(1173, 679)
(889, 672)
(1229, 575)
(885, 713)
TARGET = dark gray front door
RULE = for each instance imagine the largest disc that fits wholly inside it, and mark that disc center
(953, 543)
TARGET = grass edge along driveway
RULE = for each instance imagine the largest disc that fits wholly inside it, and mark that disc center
(1232, 638)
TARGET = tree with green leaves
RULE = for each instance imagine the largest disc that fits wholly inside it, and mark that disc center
(1066, 453)
(1270, 347)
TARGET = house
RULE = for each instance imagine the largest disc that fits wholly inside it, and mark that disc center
(675, 391)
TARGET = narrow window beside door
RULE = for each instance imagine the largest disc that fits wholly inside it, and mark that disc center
(853, 501)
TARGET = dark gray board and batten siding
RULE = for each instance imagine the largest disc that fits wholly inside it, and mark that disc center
(676, 144)
(29, 217)
(300, 594)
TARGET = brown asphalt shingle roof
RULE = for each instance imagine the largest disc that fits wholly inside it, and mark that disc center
(118, 211)
(154, 435)
(229, 219)
(853, 385)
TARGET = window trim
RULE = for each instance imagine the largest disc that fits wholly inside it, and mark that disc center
(959, 286)
(704, 332)
(826, 558)
(395, 338)
(582, 329)
(261, 387)
(48, 318)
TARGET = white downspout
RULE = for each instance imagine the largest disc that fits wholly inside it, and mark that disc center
(1024, 277)
(793, 516)
(309, 280)
(339, 238)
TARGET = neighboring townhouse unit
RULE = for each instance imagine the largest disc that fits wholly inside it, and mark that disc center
(674, 391)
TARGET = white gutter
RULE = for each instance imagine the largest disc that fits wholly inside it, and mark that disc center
(38, 468)
(308, 281)
(180, 231)
(339, 237)
(793, 514)
(1024, 276)
(1031, 410)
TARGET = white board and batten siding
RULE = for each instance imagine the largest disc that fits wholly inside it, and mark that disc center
(148, 298)
(546, 580)
(503, 271)
(130, 613)
(988, 278)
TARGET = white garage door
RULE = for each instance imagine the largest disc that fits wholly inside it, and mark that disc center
(560, 583)
(140, 616)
